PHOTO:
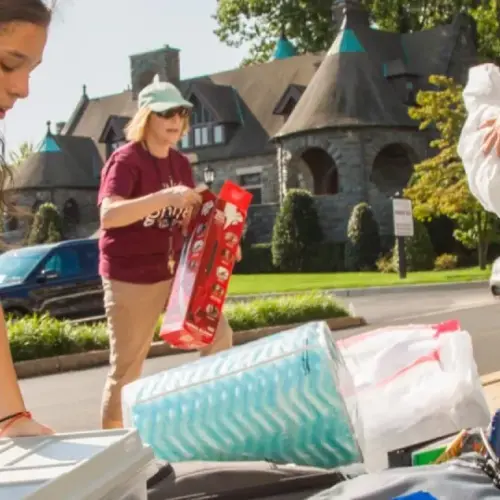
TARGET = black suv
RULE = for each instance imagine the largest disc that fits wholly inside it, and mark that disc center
(60, 279)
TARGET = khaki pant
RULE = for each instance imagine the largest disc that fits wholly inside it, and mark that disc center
(132, 312)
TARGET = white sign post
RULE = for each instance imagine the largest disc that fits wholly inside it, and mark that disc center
(403, 228)
(403, 217)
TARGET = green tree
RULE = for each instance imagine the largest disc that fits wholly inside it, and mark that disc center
(296, 233)
(25, 150)
(420, 255)
(308, 23)
(439, 184)
(363, 239)
(47, 226)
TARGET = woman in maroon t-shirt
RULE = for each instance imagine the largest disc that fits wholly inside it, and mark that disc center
(146, 198)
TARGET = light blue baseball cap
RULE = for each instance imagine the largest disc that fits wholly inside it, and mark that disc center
(161, 96)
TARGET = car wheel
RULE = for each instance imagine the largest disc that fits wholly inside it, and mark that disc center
(495, 290)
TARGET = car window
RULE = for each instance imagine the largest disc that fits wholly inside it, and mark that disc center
(16, 265)
(65, 262)
(89, 258)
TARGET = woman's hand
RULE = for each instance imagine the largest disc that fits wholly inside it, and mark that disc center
(238, 254)
(181, 197)
(491, 140)
(25, 427)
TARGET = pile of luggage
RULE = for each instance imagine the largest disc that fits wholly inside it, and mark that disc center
(387, 414)
(297, 415)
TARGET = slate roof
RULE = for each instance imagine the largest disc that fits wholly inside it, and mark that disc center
(247, 94)
(60, 162)
(351, 88)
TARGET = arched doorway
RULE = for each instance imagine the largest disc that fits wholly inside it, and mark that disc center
(71, 213)
(393, 168)
(323, 171)
(36, 205)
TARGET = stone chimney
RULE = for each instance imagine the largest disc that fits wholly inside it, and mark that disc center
(60, 127)
(164, 62)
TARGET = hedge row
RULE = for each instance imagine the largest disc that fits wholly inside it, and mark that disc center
(37, 337)
(325, 258)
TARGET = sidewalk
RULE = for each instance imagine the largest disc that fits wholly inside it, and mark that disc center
(491, 384)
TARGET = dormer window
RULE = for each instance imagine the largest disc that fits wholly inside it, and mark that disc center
(219, 135)
(215, 114)
(405, 81)
(289, 100)
(205, 131)
(113, 135)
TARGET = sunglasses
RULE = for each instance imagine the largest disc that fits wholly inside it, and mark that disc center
(170, 113)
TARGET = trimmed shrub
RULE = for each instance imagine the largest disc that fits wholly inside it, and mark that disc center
(35, 337)
(327, 257)
(418, 249)
(445, 262)
(363, 239)
(47, 226)
(385, 264)
(257, 259)
(296, 232)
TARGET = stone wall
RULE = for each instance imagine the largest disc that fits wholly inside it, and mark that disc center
(232, 169)
(86, 200)
(354, 154)
(333, 211)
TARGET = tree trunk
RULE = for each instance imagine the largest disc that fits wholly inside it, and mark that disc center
(482, 241)
(481, 255)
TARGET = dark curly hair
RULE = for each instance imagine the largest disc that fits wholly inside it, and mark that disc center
(28, 11)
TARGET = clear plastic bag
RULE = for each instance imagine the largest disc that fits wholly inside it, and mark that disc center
(413, 383)
(482, 102)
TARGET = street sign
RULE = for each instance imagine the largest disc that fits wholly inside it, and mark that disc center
(403, 217)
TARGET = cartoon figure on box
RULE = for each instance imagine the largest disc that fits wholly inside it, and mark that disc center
(227, 255)
(222, 273)
(218, 291)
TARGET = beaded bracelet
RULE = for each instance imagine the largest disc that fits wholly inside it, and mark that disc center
(12, 419)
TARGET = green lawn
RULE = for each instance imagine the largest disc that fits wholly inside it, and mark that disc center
(266, 283)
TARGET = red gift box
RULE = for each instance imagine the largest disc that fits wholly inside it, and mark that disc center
(205, 267)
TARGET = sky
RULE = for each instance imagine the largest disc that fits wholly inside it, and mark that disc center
(90, 42)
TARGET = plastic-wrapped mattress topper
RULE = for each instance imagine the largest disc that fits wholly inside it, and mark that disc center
(287, 398)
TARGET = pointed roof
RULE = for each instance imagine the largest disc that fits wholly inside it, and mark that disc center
(346, 41)
(60, 162)
(352, 65)
(332, 99)
(284, 48)
(48, 145)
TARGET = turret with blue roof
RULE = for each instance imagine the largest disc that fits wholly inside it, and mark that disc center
(369, 77)
(60, 161)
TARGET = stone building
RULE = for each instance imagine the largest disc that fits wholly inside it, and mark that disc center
(65, 171)
(335, 123)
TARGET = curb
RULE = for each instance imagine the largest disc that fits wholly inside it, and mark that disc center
(93, 359)
(375, 290)
(490, 379)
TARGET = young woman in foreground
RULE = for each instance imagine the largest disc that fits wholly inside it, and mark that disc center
(23, 34)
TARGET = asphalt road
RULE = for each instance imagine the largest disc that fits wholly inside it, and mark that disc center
(70, 402)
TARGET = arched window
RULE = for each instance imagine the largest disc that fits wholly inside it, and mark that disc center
(71, 212)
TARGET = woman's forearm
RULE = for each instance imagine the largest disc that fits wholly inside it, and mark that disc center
(120, 212)
(11, 400)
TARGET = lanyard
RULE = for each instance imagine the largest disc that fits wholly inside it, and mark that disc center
(156, 162)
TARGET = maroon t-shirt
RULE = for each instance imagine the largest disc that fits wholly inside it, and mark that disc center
(139, 253)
